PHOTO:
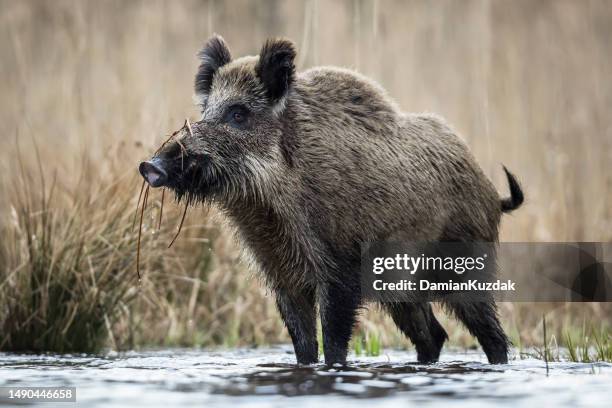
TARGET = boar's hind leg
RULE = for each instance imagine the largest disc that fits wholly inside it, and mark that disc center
(480, 318)
(297, 308)
(338, 305)
(418, 323)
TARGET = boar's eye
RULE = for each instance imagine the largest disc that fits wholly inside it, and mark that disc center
(237, 116)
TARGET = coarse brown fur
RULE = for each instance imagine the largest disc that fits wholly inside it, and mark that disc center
(310, 165)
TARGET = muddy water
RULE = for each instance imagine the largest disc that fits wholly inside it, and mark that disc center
(269, 377)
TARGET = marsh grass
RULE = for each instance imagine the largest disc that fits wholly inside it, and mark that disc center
(595, 345)
(372, 344)
(66, 266)
(367, 344)
(590, 343)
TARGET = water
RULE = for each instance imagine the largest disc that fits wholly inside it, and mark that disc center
(269, 377)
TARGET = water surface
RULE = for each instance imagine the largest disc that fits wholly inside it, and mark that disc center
(269, 377)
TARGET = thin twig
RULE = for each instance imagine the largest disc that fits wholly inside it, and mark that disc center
(181, 224)
(545, 344)
(188, 124)
(138, 204)
(144, 205)
(167, 140)
(161, 209)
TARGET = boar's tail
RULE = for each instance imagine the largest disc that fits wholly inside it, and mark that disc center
(516, 194)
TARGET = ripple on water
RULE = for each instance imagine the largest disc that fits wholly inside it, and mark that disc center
(266, 376)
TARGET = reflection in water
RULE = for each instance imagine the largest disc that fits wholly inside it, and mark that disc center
(268, 376)
(361, 379)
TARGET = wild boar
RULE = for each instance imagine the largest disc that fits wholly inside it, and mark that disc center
(309, 165)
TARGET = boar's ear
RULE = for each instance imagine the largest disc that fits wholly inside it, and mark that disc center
(214, 55)
(275, 67)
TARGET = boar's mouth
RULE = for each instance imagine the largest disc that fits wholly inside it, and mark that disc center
(189, 175)
(186, 175)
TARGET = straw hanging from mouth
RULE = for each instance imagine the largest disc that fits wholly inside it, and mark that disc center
(181, 224)
(144, 195)
(144, 205)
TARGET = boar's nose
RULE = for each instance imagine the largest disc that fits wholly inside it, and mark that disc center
(153, 172)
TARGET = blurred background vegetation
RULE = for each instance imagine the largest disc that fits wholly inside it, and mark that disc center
(90, 88)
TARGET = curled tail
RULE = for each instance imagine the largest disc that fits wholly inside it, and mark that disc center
(516, 194)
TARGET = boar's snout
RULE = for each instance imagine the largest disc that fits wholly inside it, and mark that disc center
(153, 172)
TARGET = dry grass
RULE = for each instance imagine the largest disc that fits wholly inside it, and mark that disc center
(67, 269)
(98, 84)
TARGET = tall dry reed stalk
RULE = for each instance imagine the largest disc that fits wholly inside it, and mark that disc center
(66, 264)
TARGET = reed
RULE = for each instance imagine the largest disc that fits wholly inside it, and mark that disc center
(66, 265)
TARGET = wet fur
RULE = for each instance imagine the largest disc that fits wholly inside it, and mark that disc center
(329, 162)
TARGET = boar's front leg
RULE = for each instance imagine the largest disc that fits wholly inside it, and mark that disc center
(338, 304)
(297, 308)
